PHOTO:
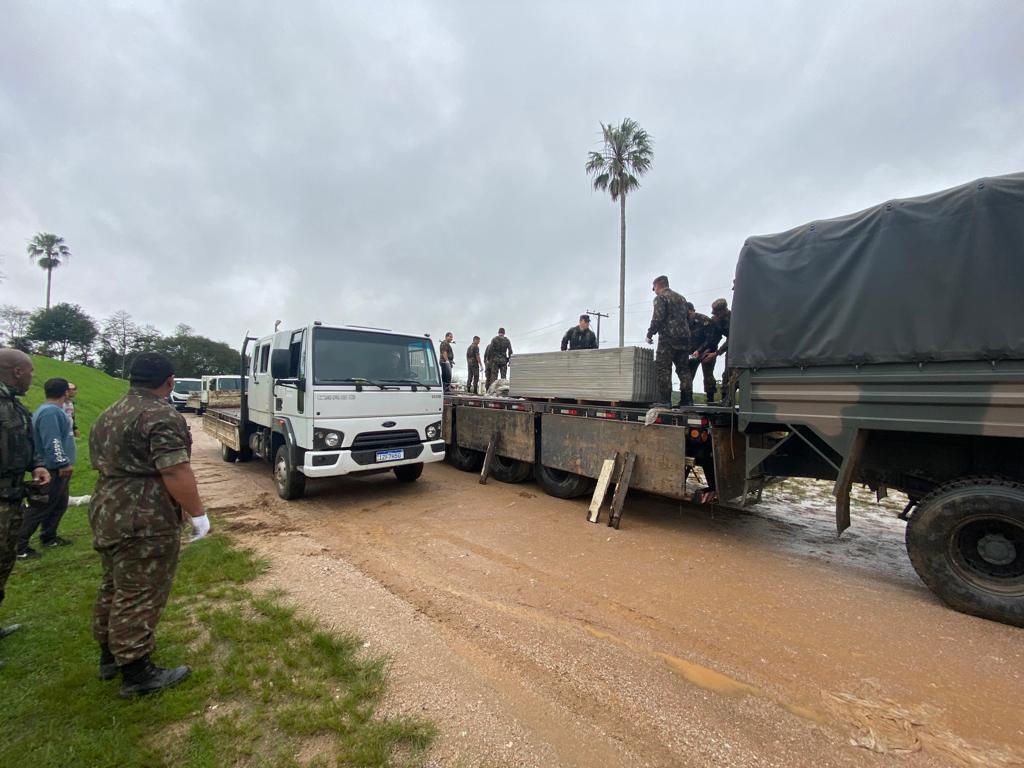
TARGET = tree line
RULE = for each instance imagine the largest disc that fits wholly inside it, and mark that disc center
(67, 332)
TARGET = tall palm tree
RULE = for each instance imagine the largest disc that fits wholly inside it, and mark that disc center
(626, 155)
(49, 252)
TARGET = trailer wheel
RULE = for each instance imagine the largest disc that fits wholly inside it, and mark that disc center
(966, 542)
(465, 459)
(409, 473)
(510, 470)
(564, 485)
(228, 454)
(291, 484)
(245, 454)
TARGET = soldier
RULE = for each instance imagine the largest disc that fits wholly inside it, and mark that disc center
(499, 352)
(580, 336)
(669, 321)
(473, 362)
(140, 446)
(17, 456)
(447, 359)
(709, 350)
(699, 328)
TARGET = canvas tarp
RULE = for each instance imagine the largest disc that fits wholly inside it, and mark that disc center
(939, 277)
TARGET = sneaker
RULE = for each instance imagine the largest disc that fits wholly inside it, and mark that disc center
(58, 541)
(28, 554)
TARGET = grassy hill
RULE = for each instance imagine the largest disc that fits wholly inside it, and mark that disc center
(96, 391)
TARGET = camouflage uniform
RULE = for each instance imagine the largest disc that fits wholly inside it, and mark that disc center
(473, 362)
(671, 323)
(579, 338)
(17, 456)
(700, 328)
(717, 330)
(496, 358)
(135, 522)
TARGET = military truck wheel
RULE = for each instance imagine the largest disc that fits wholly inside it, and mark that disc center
(409, 473)
(966, 542)
(291, 484)
(510, 470)
(465, 459)
(228, 454)
(564, 485)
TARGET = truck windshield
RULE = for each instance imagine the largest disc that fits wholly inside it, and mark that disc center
(341, 356)
(227, 382)
(184, 387)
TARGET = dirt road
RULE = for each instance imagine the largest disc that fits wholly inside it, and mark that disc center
(690, 637)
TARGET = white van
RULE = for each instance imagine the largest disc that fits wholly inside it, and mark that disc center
(182, 389)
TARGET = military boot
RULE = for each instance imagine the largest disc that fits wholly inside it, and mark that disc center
(108, 666)
(142, 677)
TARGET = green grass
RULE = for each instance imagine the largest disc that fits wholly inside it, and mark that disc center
(268, 688)
(96, 391)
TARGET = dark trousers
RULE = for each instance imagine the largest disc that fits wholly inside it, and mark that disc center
(46, 516)
(137, 578)
(473, 382)
(710, 385)
(446, 375)
(10, 528)
(668, 355)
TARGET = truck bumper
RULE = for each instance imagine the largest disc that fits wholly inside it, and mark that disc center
(347, 462)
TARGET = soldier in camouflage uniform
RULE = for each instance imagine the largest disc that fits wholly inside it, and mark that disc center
(140, 446)
(669, 321)
(473, 362)
(709, 351)
(17, 456)
(700, 328)
(580, 336)
(496, 357)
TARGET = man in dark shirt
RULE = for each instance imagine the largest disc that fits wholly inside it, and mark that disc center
(710, 350)
(580, 336)
(473, 362)
(447, 359)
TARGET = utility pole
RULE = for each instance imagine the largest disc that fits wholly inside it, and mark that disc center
(599, 315)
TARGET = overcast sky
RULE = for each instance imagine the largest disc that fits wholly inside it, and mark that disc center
(420, 166)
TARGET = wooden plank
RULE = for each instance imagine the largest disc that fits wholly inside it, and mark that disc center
(621, 489)
(841, 490)
(485, 471)
(604, 479)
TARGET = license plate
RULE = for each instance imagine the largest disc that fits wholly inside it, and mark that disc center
(390, 455)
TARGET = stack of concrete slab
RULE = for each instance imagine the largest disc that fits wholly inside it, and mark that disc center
(618, 374)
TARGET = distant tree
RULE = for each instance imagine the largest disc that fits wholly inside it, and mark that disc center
(626, 155)
(184, 329)
(196, 356)
(49, 252)
(14, 321)
(64, 327)
(118, 339)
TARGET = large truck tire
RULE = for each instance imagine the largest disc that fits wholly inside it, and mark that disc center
(290, 483)
(409, 473)
(228, 454)
(564, 485)
(511, 470)
(966, 542)
(465, 459)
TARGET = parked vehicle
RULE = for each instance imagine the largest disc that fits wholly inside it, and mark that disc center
(182, 389)
(222, 390)
(324, 401)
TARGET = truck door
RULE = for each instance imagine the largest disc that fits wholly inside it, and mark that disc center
(260, 386)
(289, 396)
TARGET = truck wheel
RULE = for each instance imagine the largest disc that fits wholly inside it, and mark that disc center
(245, 454)
(465, 459)
(510, 470)
(291, 484)
(966, 542)
(564, 485)
(409, 473)
(228, 453)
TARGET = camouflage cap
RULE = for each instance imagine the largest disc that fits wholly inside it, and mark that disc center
(151, 369)
(718, 304)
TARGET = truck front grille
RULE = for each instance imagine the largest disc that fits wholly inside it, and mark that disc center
(399, 438)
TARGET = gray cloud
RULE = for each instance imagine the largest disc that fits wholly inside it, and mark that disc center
(420, 166)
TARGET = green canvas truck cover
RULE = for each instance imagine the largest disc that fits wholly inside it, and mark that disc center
(932, 278)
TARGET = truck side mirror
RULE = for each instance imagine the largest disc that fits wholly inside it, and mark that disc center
(280, 364)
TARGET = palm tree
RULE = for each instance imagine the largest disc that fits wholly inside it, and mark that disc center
(626, 155)
(49, 252)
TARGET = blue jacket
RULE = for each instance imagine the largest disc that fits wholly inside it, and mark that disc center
(54, 438)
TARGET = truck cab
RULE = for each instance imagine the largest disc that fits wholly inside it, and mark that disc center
(220, 390)
(183, 388)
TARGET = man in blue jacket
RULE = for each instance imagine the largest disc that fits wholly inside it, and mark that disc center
(54, 438)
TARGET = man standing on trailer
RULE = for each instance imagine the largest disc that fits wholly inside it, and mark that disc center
(710, 351)
(447, 360)
(669, 320)
(473, 363)
(700, 327)
(499, 351)
(580, 336)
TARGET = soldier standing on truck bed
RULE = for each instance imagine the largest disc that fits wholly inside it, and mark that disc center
(447, 360)
(700, 327)
(709, 351)
(496, 357)
(17, 456)
(473, 362)
(580, 336)
(670, 322)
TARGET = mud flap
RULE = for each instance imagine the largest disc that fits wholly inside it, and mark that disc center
(729, 450)
(841, 490)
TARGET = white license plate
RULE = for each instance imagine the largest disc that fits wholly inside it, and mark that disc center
(390, 455)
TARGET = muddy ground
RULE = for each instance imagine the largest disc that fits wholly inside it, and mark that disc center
(691, 637)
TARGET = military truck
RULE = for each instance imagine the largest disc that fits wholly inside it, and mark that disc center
(883, 348)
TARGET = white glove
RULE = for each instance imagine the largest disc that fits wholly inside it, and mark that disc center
(200, 527)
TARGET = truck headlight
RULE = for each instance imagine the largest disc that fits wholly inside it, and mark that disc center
(326, 439)
(332, 439)
(434, 431)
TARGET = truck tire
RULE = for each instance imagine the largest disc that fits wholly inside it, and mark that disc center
(465, 459)
(228, 454)
(290, 483)
(511, 470)
(409, 473)
(245, 454)
(563, 485)
(966, 542)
